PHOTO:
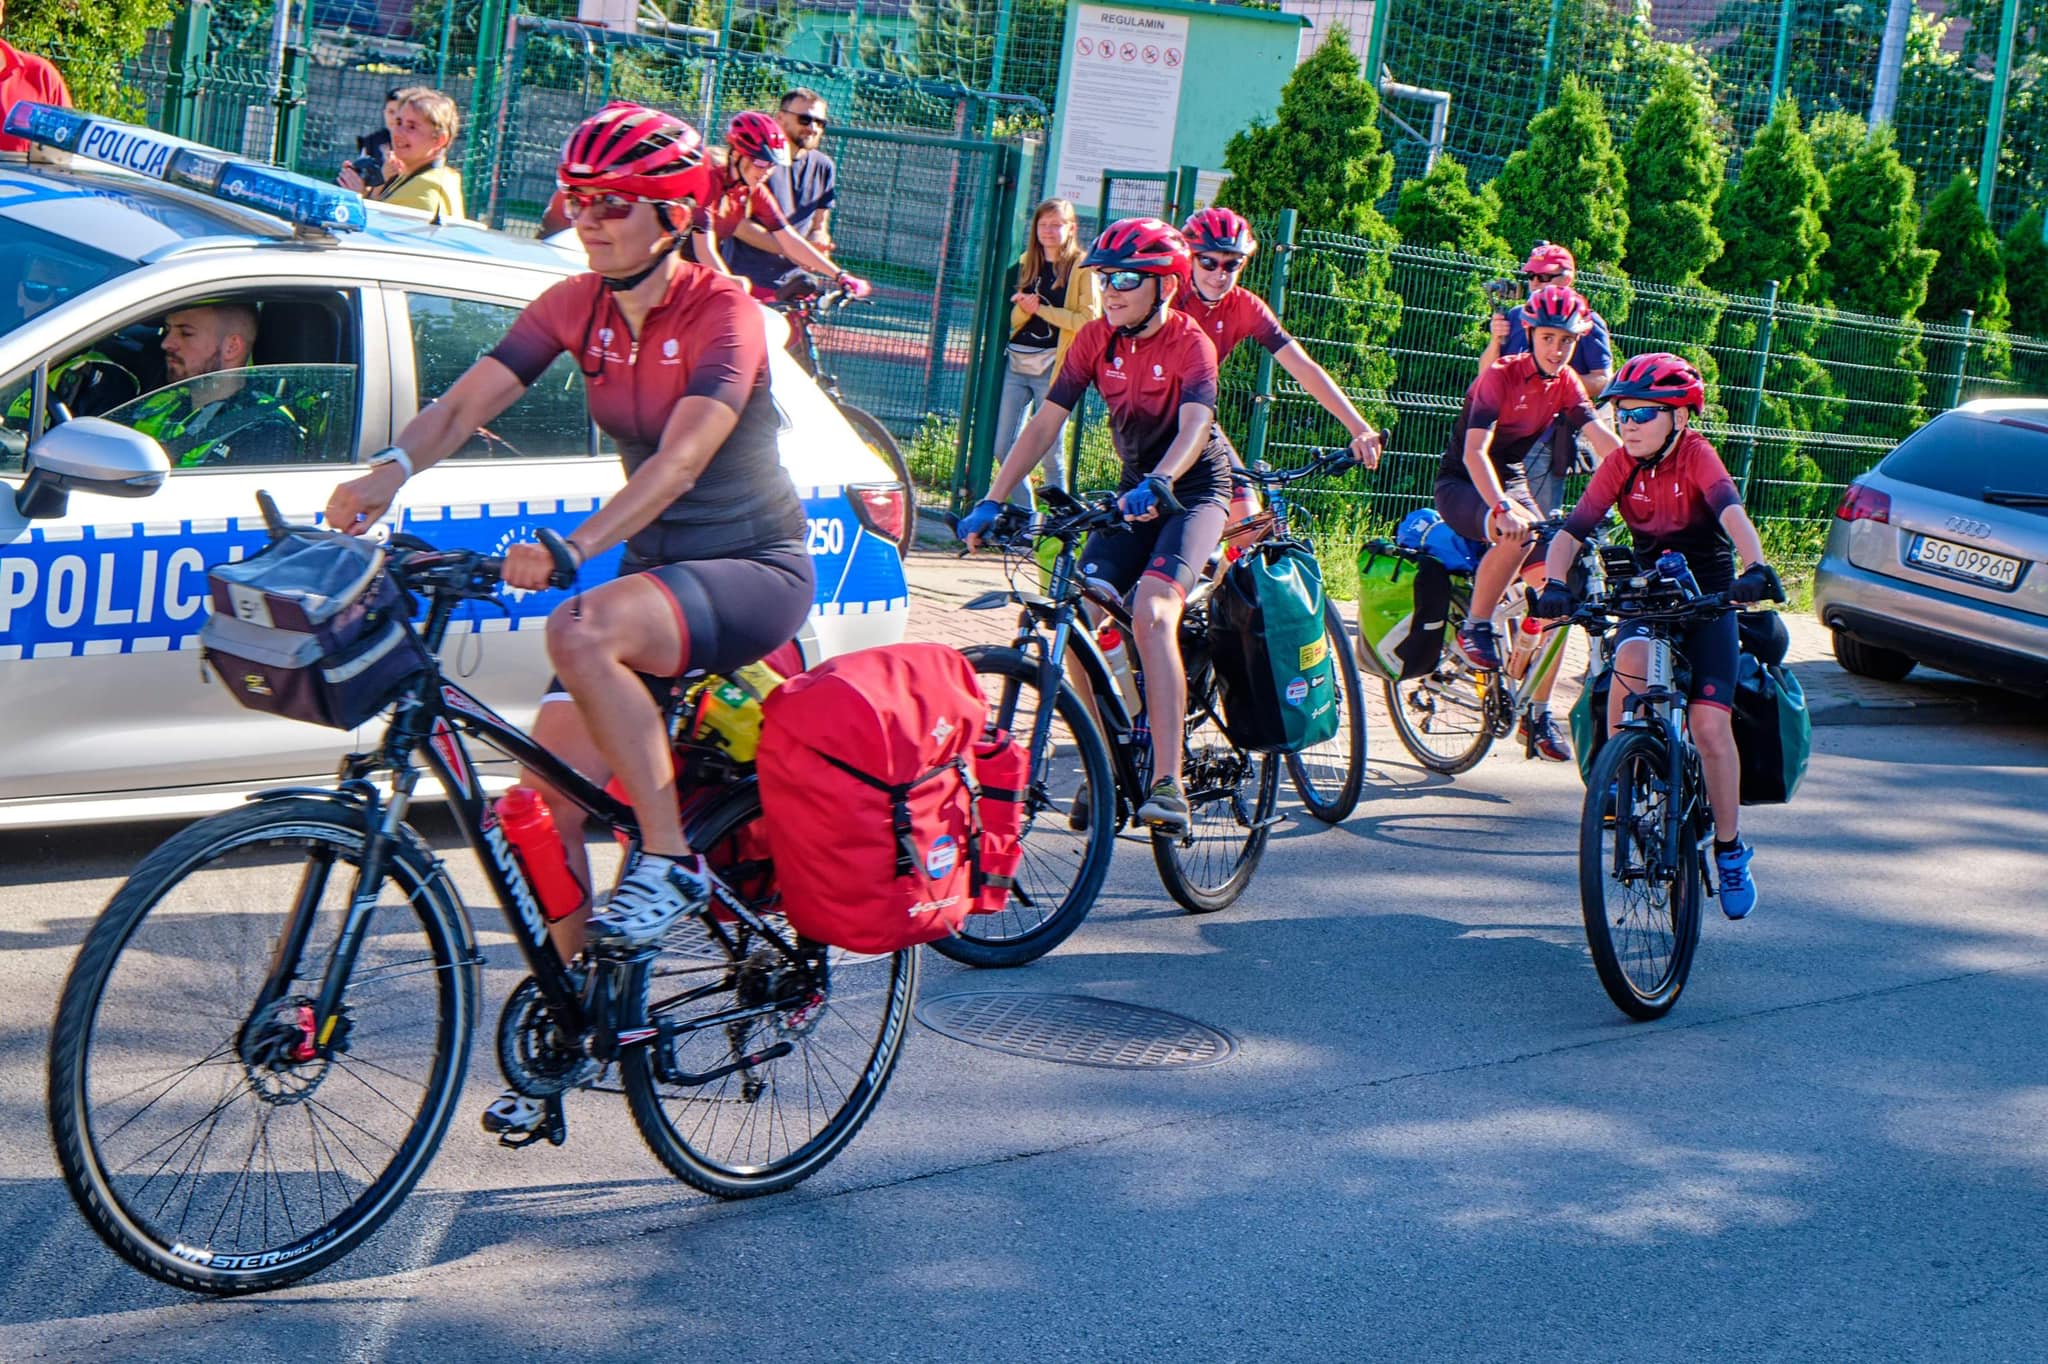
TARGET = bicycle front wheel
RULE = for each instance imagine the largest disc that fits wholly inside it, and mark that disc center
(1330, 776)
(1069, 818)
(807, 1049)
(1231, 795)
(1641, 905)
(878, 439)
(190, 1134)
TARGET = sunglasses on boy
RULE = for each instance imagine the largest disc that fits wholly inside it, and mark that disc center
(1228, 264)
(1124, 281)
(1638, 416)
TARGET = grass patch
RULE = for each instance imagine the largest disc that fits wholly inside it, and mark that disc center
(1794, 549)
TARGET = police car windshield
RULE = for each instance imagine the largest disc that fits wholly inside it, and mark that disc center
(40, 270)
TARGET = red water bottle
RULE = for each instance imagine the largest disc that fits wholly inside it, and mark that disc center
(531, 831)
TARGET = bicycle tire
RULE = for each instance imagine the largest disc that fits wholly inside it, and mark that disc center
(1330, 777)
(84, 1052)
(1450, 689)
(1012, 937)
(759, 1118)
(879, 439)
(1639, 762)
(1208, 868)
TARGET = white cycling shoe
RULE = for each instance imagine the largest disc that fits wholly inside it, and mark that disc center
(653, 894)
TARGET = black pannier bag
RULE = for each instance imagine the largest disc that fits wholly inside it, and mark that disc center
(312, 628)
(1773, 731)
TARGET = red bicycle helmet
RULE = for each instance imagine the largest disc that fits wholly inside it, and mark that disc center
(1660, 377)
(629, 149)
(1146, 245)
(1547, 259)
(1559, 306)
(758, 138)
(1219, 229)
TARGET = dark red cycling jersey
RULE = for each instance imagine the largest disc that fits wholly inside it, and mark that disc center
(1241, 315)
(1514, 398)
(724, 201)
(1143, 382)
(1675, 503)
(704, 339)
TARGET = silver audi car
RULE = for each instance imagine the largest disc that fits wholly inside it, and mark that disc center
(1939, 555)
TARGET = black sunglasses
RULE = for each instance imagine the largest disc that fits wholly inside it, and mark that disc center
(809, 120)
(1227, 264)
(1124, 281)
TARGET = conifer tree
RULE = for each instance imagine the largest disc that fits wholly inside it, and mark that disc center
(1675, 174)
(2026, 275)
(1770, 218)
(1441, 209)
(1568, 184)
(1874, 262)
(1970, 273)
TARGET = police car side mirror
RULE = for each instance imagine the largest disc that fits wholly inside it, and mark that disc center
(91, 455)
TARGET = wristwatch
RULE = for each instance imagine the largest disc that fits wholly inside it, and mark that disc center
(392, 454)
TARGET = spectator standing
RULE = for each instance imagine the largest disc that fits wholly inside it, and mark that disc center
(805, 190)
(416, 170)
(1593, 362)
(25, 76)
(1054, 298)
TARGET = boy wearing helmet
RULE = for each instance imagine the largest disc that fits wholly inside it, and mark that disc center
(1221, 243)
(732, 189)
(1593, 361)
(1481, 490)
(715, 573)
(1673, 491)
(1156, 373)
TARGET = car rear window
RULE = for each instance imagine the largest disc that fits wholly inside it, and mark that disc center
(1966, 453)
(39, 270)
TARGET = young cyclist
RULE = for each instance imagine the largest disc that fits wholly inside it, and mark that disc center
(1221, 243)
(733, 188)
(1673, 491)
(1156, 373)
(1481, 490)
(715, 574)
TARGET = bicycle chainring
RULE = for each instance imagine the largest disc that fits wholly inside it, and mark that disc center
(538, 1058)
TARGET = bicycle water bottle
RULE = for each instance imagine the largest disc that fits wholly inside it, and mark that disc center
(1672, 565)
(1118, 656)
(531, 831)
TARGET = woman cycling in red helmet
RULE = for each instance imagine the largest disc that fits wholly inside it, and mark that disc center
(1156, 373)
(1671, 488)
(1221, 243)
(733, 188)
(715, 573)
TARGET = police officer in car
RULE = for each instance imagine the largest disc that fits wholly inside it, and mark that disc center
(211, 414)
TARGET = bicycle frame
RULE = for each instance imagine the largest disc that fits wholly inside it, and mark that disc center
(1660, 707)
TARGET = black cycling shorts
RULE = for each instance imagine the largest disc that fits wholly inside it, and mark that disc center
(1464, 510)
(730, 612)
(1174, 548)
(1710, 649)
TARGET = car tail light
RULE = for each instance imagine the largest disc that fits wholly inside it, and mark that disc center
(1861, 503)
(880, 507)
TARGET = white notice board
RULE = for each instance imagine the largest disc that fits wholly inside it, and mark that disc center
(1123, 99)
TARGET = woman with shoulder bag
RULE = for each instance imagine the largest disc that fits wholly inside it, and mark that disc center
(1055, 297)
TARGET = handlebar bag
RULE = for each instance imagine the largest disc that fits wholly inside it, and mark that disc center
(1773, 731)
(311, 628)
(867, 786)
(1270, 647)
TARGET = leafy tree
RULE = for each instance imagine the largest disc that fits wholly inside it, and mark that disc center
(2026, 275)
(1771, 216)
(1874, 262)
(1675, 175)
(1568, 184)
(1441, 209)
(89, 44)
(1970, 273)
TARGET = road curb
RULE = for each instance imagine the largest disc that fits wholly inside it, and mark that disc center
(1835, 698)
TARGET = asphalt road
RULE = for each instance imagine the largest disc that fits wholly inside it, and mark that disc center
(1436, 1140)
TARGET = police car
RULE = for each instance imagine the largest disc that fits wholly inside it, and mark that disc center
(360, 314)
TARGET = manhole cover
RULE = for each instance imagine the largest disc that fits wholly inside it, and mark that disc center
(1079, 1030)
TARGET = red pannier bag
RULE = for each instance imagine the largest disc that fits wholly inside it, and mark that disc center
(868, 792)
(1002, 769)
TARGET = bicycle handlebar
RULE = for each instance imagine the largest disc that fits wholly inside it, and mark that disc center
(1066, 517)
(1330, 460)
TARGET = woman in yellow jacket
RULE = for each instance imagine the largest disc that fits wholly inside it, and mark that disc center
(1055, 298)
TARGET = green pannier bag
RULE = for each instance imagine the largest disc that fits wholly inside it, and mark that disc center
(1773, 731)
(1271, 651)
(1589, 721)
(1404, 602)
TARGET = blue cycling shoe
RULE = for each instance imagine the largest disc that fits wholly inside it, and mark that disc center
(1738, 887)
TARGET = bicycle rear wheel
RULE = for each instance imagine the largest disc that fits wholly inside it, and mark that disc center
(1642, 913)
(879, 440)
(1231, 795)
(1069, 819)
(1330, 776)
(1446, 716)
(193, 1142)
(772, 1122)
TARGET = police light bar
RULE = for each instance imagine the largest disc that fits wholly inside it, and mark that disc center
(298, 199)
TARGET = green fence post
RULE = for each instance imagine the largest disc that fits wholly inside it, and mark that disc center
(290, 101)
(1276, 299)
(985, 363)
(1376, 45)
(187, 74)
(483, 102)
(1002, 51)
(1756, 395)
(1549, 56)
(1783, 59)
(1994, 127)
(1184, 205)
(441, 55)
(1955, 386)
